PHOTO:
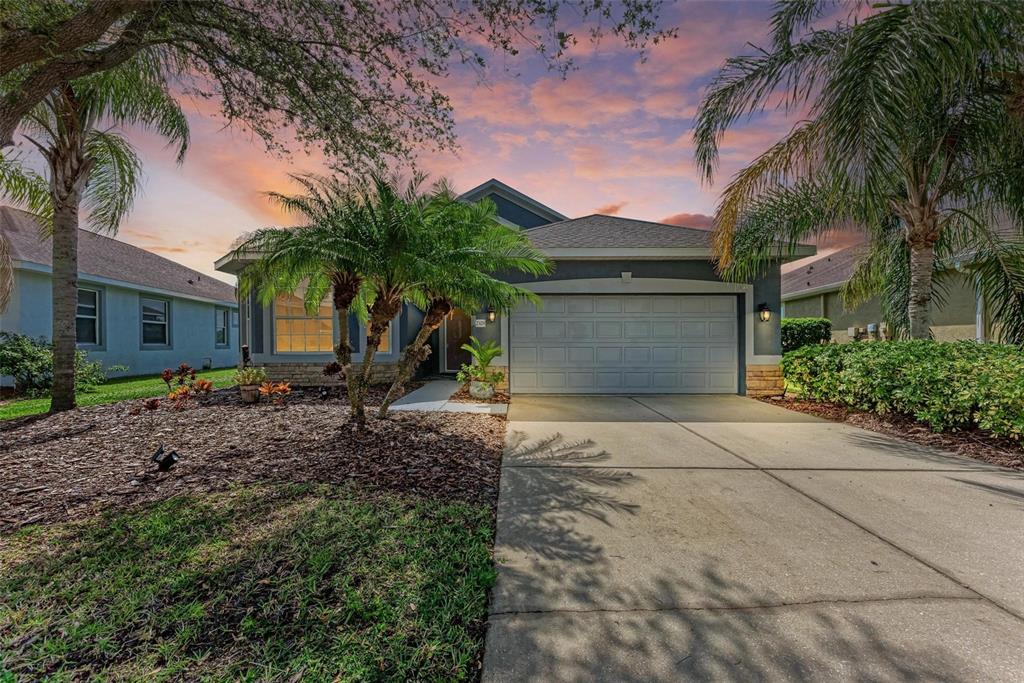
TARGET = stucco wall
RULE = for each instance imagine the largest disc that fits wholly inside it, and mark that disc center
(953, 310)
(191, 332)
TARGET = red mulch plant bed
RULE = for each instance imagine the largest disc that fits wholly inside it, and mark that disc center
(74, 464)
(973, 444)
(462, 396)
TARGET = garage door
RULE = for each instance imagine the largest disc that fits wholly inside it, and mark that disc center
(625, 344)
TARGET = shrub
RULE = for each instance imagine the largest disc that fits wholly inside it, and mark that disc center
(800, 332)
(955, 385)
(30, 362)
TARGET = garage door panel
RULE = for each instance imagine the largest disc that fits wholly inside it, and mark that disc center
(581, 354)
(581, 330)
(580, 304)
(625, 344)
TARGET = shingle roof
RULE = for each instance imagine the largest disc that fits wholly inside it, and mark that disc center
(831, 270)
(106, 257)
(598, 231)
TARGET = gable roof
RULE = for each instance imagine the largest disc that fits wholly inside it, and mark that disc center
(495, 186)
(108, 258)
(823, 274)
(600, 231)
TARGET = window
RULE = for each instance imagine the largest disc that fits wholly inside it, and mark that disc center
(87, 318)
(156, 315)
(222, 317)
(297, 332)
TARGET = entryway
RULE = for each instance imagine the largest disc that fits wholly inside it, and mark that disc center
(455, 331)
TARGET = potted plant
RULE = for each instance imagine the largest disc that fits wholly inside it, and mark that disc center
(249, 381)
(478, 373)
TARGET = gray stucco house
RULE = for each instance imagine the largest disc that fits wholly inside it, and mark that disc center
(812, 290)
(632, 307)
(135, 308)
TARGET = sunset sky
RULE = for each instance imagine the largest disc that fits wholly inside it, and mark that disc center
(614, 137)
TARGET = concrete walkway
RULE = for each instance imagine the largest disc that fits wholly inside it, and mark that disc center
(433, 397)
(717, 538)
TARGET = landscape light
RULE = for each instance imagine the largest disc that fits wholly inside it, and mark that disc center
(164, 459)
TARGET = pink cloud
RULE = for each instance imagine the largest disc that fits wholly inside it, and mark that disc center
(611, 209)
(689, 220)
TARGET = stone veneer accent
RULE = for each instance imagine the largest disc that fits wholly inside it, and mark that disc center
(312, 374)
(764, 380)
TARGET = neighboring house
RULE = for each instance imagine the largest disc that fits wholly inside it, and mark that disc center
(812, 290)
(631, 307)
(134, 308)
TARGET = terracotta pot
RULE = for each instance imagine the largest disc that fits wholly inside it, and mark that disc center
(481, 390)
(250, 393)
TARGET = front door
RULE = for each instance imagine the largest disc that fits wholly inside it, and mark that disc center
(457, 329)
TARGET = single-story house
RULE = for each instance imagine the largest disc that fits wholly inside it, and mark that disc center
(631, 307)
(135, 308)
(812, 290)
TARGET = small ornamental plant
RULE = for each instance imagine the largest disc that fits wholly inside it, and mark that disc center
(276, 391)
(202, 386)
(250, 376)
(179, 397)
(478, 373)
(185, 375)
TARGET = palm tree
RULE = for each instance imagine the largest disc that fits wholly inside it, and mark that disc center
(359, 244)
(92, 167)
(326, 254)
(464, 245)
(909, 137)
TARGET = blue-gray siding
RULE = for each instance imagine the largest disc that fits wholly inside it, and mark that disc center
(192, 325)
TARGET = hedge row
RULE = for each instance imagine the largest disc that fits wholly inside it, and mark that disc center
(799, 332)
(955, 385)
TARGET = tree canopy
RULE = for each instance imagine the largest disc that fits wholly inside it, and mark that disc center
(910, 136)
(363, 80)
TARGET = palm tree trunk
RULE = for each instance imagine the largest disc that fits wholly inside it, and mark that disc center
(383, 311)
(922, 262)
(415, 353)
(69, 173)
(64, 285)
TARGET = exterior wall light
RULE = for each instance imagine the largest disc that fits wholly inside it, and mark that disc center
(491, 314)
(764, 312)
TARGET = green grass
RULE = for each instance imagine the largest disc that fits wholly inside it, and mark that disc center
(114, 390)
(268, 583)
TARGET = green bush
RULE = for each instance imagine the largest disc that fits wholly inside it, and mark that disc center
(800, 332)
(30, 362)
(955, 385)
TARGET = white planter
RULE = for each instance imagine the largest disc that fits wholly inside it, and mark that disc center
(481, 390)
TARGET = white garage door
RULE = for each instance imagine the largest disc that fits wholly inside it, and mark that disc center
(625, 344)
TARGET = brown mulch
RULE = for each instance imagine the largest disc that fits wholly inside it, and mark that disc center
(975, 444)
(462, 396)
(97, 458)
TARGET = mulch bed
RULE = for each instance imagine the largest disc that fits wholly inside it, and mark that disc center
(973, 444)
(77, 463)
(462, 396)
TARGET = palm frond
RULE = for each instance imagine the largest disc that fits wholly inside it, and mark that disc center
(113, 181)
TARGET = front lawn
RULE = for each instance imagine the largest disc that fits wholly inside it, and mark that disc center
(114, 390)
(279, 582)
(283, 545)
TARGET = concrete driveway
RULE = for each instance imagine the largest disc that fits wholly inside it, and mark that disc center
(667, 538)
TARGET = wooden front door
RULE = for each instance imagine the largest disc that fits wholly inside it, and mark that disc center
(457, 330)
